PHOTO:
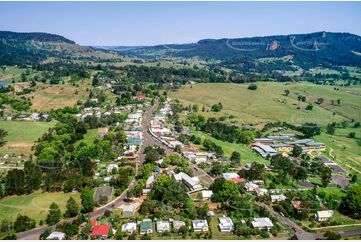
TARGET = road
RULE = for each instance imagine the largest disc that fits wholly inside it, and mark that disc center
(300, 233)
(119, 201)
(350, 232)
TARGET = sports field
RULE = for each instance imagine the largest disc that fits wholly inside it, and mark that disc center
(22, 135)
(268, 103)
(34, 205)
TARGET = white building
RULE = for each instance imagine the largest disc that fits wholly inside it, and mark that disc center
(262, 223)
(230, 175)
(111, 167)
(129, 227)
(163, 226)
(56, 236)
(225, 224)
(188, 181)
(200, 225)
(278, 198)
(323, 215)
(207, 194)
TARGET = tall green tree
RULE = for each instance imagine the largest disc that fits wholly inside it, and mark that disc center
(87, 200)
(54, 214)
(72, 208)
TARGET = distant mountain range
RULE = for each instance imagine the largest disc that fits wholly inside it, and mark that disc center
(32, 48)
(307, 50)
(302, 50)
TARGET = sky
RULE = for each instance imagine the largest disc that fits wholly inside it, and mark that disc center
(151, 23)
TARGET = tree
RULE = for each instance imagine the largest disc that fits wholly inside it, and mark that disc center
(252, 87)
(45, 234)
(326, 176)
(71, 229)
(331, 128)
(309, 107)
(300, 173)
(54, 214)
(236, 156)
(14, 182)
(223, 189)
(297, 151)
(32, 177)
(287, 92)
(217, 107)
(352, 201)
(72, 208)
(332, 236)
(3, 133)
(23, 223)
(87, 200)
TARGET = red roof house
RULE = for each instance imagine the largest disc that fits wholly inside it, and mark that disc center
(238, 180)
(101, 230)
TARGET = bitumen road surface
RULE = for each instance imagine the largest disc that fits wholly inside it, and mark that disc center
(350, 232)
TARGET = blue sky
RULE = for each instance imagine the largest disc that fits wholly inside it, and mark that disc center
(149, 23)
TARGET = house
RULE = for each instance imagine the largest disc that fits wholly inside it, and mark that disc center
(129, 227)
(278, 198)
(163, 226)
(251, 187)
(145, 192)
(225, 224)
(149, 182)
(207, 194)
(282, 147)
(146, 227)
(187, 180)
(238, 180)
(56, 236)
(264, 150)
(296, 204)
(262, 223)
(99, 231)
(128, 210)
(111, 167)
(178, 224)
(264, 141)
(323, 215)
(230, 175)
(200, 225)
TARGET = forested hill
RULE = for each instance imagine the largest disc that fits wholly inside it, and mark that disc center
(307, 50)
(32, 48)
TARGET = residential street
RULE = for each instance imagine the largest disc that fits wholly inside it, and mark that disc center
(300, 233)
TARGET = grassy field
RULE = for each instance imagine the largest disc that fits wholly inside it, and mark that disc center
(22, 135)
(89, 137)
(345, 151)
(34, 205)
(247, 155)
(268, 103)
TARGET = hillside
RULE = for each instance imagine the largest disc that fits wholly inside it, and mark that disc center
(269, 104)
(32, 48)
(307, 50)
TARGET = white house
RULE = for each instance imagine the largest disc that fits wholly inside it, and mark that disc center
(278, 198)
(230, 175)
(207, 194)
(225, 224)
(163, 226)
(129, 227)
(56, 236)
(262, 223)
(200, 225)
(323, 215)
(111, 167)
(178, 224)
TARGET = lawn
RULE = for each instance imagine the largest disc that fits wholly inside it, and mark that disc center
(89, 137)
(346, 152)
(22, 135)
(268, 104)
(247, 155)
(34, 205)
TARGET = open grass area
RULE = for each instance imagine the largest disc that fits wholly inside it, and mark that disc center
(48, 96)
(268, 104)
(89, 137)
(22, 135)
(247, 155)
(344, 151)
(34, 205)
